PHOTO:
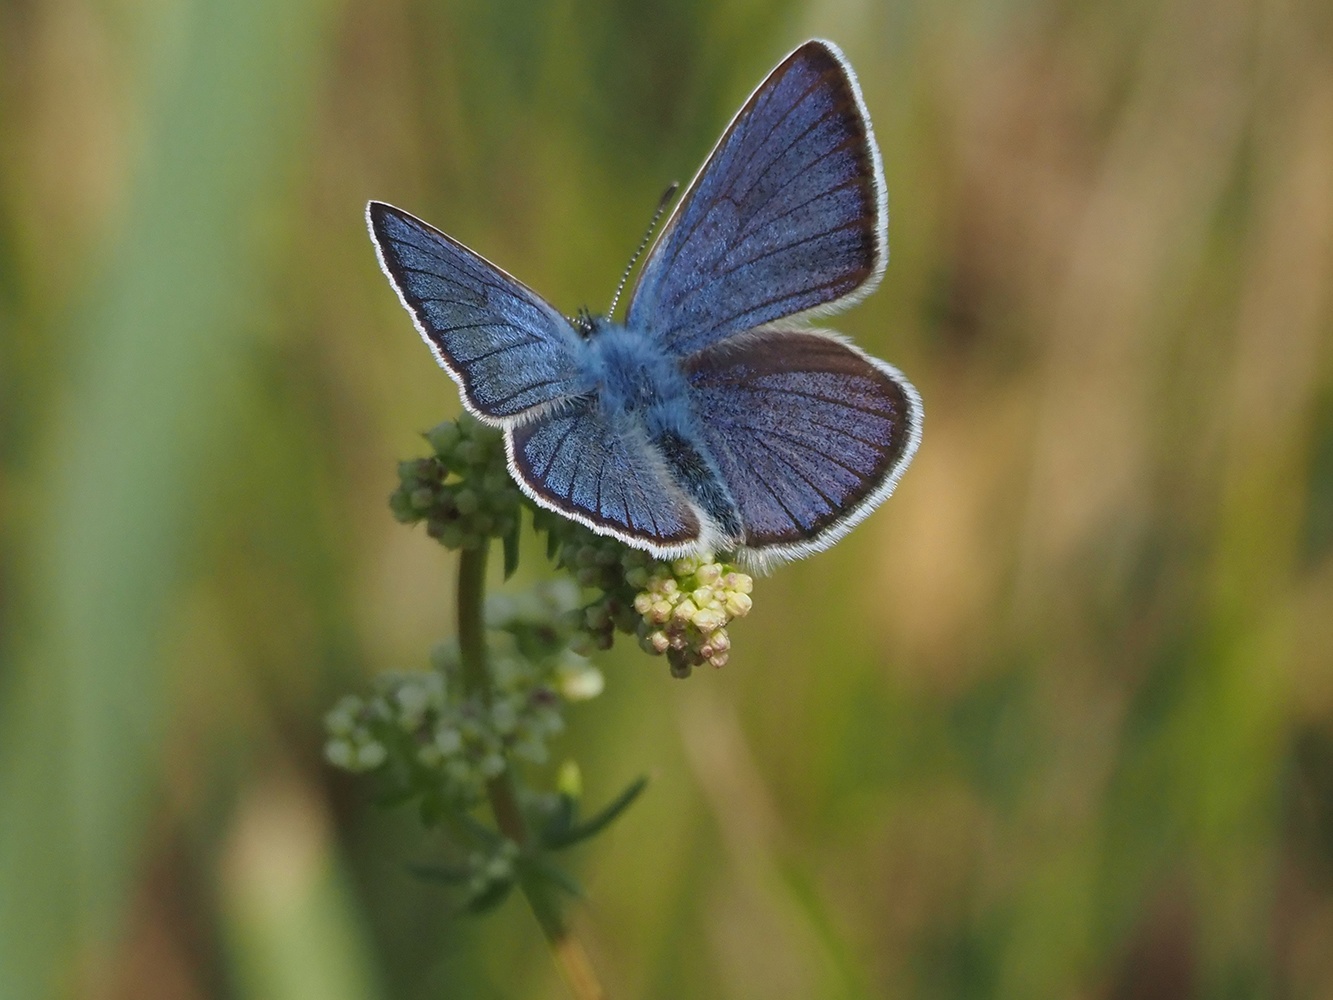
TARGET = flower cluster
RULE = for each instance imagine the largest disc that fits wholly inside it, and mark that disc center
(449, 738)
(443, 744)
(685, 610)
(463, 492)
(680, 609)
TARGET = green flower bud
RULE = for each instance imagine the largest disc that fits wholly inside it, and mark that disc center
(685, 566)
(569, 780)
(443, 438)
(340, 753)
(596, 616)
(342, 718)
(467, 501)
(449, 740)
(369, 756)
(503, 717)
(470, 452)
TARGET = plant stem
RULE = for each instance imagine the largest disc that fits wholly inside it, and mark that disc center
(565, 946)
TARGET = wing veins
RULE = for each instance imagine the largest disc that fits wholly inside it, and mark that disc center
(810, 449)
(757, 306)
(854, 224)
(787, 149)
(507, 347)
(555, 453)
(771, 492)
(822, 425)
(809, 482)
(750, 229)
(834, 402)
(689, 234)
(526, 388)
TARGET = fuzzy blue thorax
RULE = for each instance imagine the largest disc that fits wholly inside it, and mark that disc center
(636, 378)
(639, 384)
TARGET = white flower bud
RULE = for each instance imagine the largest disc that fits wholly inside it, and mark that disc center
(707, 621)
(708, 574)
(738, 605)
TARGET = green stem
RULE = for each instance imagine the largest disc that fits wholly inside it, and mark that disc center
(565, 947)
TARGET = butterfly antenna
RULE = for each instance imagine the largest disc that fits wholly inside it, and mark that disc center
(667, 195)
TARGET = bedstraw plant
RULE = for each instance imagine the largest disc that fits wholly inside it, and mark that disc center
(467, 741)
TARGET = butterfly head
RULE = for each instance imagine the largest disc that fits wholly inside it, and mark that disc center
(586, 323)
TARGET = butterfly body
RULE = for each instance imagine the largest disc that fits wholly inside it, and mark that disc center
(633, 376)
(710, 419)
(642, 392)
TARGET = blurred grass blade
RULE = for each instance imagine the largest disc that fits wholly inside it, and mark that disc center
(159, 347)
(292, 923)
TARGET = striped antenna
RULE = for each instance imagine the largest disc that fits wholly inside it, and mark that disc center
(667, 195)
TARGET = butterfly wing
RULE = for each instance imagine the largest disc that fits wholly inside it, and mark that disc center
(604, 474)
(788, 214)
(510, 351)
(809, 433)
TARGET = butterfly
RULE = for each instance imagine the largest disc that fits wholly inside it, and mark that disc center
(710, 418)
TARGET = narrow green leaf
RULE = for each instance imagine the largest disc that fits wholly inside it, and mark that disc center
(490, 897)
(596, 824)
(560, 822)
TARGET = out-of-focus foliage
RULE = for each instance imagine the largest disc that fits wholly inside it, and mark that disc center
(1057, 721)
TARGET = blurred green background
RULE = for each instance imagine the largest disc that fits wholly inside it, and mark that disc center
(1056, 722)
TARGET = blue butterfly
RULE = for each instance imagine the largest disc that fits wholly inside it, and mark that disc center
(709, 419)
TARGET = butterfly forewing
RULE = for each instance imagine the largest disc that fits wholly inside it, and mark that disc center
(786, 216)
(510, 351)
(604, 474)
(808, 433)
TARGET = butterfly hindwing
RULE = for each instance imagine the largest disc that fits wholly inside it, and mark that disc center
(604, 474)
(509, 350)
(788, 214)
(809, 434)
